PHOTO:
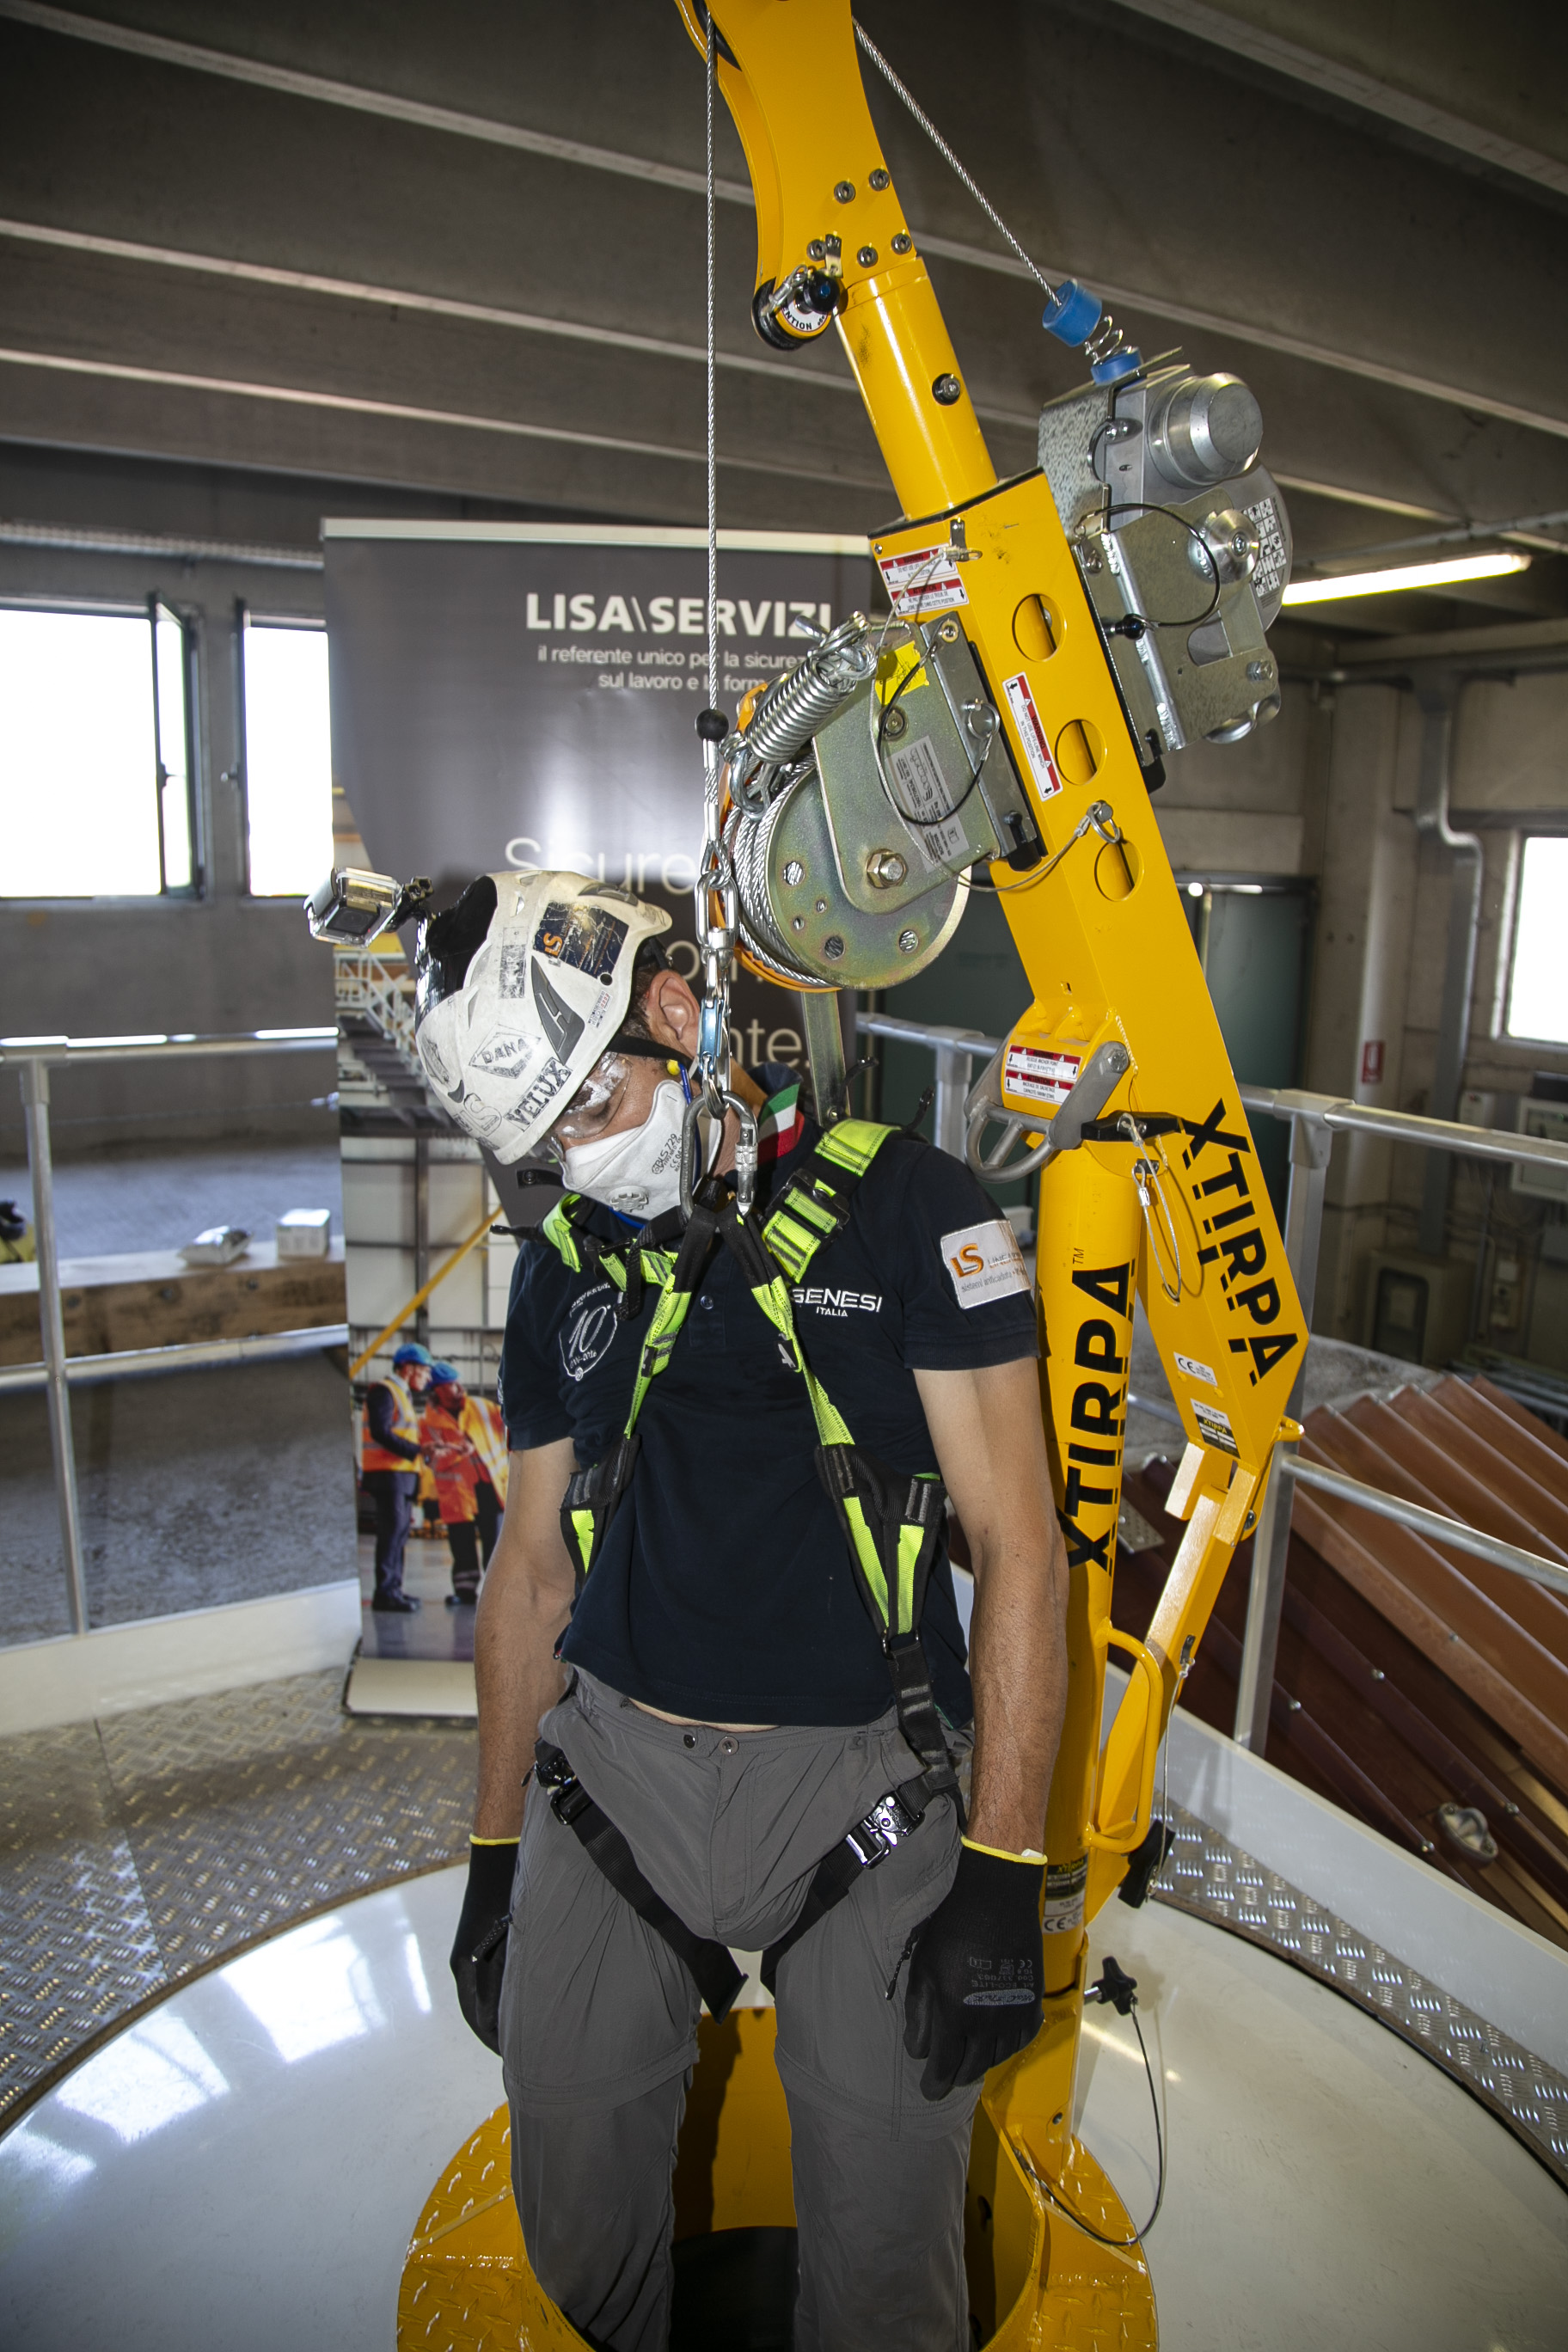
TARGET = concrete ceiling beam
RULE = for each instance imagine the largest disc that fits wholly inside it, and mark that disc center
(1330, 64)
(1071, 200)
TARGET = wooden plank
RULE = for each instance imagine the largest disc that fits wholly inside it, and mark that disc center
(1423, 1617)
(1354, 1442)
(151, 1299)
(1496, 1483)
(1512, 1424)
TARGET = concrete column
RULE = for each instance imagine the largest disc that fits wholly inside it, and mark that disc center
(1360, 970)
(222, 746)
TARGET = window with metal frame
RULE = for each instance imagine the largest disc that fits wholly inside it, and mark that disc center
(96, 764)
(1538, 974)
(288, 757)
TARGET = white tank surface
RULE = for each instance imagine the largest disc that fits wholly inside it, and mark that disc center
(245, 2163)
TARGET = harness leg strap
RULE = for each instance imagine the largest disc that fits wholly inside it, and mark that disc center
(890, 1819)
(711, 1966)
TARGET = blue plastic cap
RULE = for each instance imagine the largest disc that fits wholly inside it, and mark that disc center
(1072, 313)
(1126, 361)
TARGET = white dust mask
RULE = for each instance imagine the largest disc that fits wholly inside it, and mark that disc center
(637, 1172)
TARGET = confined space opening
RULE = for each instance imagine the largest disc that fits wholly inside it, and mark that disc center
(734, 2291)
(1080, 751)
(1037, 628)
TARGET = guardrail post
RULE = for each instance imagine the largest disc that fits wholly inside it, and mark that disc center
(953, 1081)
(35, 1079)
(1311, 1141)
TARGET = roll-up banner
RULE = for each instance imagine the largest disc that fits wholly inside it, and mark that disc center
(508, 696)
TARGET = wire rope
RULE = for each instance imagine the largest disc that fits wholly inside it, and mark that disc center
(906, 99)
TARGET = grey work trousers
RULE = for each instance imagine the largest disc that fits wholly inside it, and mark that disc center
(598, 2026)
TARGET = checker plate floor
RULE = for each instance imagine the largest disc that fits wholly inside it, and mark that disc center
(136, 1851)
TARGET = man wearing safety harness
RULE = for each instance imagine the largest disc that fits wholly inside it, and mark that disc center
(718, 1644)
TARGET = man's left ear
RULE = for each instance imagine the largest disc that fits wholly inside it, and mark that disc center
(671, 1013)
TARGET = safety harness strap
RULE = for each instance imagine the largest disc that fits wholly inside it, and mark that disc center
(890, 1819)
(642, 1260)
(593, 1495)
(711, 1966)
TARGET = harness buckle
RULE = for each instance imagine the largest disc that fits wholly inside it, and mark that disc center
(888, 1823)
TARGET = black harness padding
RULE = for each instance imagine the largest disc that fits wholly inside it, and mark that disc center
(711, 1966)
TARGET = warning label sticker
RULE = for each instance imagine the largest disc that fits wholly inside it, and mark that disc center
(1213, 1426)
(1034, 1073)
(924, 795)
(1194, 1370)
(1032, 728)
(926, 580)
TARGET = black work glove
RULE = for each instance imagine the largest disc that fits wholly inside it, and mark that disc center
(478, 1949)
(977, 1974)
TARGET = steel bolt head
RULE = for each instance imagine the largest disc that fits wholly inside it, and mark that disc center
(945, 389)
(816, 250)
(885, 869)
(822, 906)
(908, 941)
(948, 631)
(894, 725)
(903, 242)
(880, 179)
(843, 193)
(866, 257)
(794, 872)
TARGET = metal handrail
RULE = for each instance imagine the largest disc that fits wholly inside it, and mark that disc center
(66, 1053)
(1404, 1126)
(954, 1049)
(33, 1058)
(918, 1033)
(1438, 1525)
(183, 1355)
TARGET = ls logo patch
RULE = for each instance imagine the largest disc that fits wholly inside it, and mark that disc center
(985, 1262)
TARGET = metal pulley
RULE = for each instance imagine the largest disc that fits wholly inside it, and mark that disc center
(857, 794)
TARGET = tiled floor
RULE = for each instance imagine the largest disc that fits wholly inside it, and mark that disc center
(134, 1851)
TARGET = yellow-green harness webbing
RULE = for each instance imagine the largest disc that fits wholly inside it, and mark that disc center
(892, 1522)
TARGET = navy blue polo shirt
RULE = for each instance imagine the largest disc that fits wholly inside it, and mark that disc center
(723, 1591)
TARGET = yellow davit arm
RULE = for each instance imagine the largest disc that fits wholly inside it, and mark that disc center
(1177, 1208)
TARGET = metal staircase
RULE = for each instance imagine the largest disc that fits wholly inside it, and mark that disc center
(375, 1022)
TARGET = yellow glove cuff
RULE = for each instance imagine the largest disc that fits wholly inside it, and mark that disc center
(1002, 1853)
(479, 1841)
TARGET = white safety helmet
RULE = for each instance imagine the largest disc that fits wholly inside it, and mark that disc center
(520, 987)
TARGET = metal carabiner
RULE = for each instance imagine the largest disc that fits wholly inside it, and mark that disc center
(693, 1152)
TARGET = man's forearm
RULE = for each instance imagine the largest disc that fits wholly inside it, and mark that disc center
(523, 1608)
(519, 1679)
(1018, 1669)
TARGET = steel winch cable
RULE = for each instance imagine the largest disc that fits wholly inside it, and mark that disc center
(917, 112)
(710, 76)
(1104, 339)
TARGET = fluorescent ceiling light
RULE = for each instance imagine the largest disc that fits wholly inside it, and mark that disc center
(1404, 575)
